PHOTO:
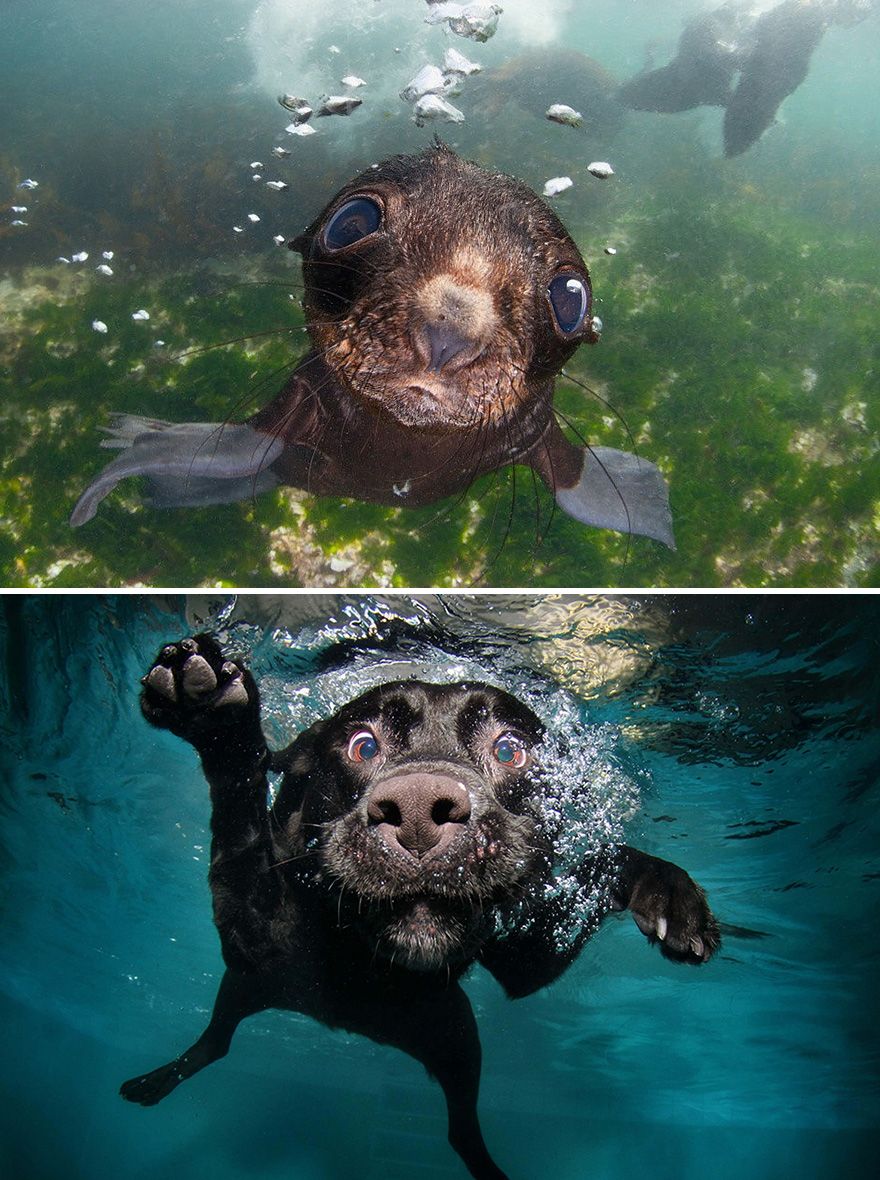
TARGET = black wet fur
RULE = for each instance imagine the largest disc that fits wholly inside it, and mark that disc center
(401, 849)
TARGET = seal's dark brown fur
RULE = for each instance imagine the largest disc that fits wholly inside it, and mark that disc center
(442, 300)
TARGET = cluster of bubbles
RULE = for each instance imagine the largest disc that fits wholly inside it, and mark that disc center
(289, 38)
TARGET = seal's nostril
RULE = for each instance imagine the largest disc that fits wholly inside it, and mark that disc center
(445, 342)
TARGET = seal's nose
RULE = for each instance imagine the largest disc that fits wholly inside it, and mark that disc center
(444, 341)
(419, 813)
(454, 322)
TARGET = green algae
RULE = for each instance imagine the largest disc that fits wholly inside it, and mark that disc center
(740, 352)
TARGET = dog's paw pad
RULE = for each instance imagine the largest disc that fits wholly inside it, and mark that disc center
(198, 677)
(232, 690)
(192, 687)
(161, 680)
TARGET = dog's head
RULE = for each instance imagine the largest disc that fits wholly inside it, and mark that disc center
(416, 801)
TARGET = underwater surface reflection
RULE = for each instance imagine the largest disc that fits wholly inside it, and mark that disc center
(735, 735)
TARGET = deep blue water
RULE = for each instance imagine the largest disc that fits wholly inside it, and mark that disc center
(745, 727)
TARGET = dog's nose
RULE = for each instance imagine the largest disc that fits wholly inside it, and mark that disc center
(421, 813)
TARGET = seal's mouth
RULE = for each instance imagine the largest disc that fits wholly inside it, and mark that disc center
(414, 391)
(430, 402)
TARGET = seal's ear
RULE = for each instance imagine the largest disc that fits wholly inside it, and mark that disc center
(299, 243)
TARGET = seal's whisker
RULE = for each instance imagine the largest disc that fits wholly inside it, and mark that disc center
(548, 452)
(279, 330)
(336, 263)
(608, 476)
(607, 404)
(511, 504)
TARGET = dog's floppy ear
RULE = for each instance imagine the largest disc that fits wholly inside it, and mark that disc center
(299, 756)
(299, 762)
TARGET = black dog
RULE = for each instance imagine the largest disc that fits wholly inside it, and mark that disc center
(407, 840)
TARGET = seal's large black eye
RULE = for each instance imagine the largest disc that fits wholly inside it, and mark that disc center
(356, 219)
(570, 301)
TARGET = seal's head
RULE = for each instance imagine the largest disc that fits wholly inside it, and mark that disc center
(449, 295)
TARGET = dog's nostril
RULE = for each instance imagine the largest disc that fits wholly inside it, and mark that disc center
(385, 811)
(447, 811)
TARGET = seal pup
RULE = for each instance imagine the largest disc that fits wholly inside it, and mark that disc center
(783, 43)
(441, 301)
(770, 49)
(413, 835)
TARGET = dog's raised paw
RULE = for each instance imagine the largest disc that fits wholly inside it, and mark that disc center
(192, 687)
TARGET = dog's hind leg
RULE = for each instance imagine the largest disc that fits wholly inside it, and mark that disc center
(237, 998)
(441, 1032)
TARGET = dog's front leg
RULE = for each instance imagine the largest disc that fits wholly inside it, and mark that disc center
(668, 906)
(213, 704)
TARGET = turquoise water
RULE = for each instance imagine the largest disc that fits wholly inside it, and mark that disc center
(744, 727)
(740, 310)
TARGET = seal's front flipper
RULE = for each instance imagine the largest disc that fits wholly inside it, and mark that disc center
(186, 463)
(617, 490)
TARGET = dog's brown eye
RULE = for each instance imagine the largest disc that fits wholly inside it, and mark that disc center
(510, 751)
(362, 746)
